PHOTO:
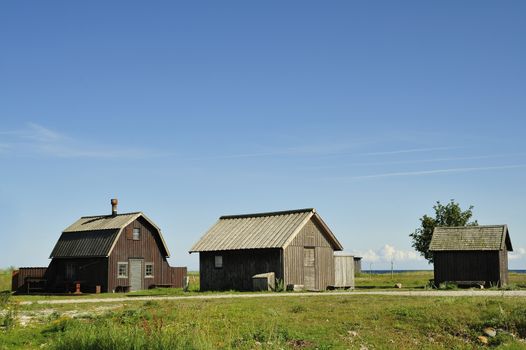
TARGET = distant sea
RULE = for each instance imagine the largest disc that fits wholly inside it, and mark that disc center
(379, 272)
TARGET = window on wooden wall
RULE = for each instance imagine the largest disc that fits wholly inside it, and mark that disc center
(136, 234)
(122, 270)
(148, 270)
(218, 262)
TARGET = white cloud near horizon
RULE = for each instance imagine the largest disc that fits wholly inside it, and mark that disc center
(517, 253)
(37, 139)
(388, 253)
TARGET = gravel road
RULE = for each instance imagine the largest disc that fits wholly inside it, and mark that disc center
(430, 293)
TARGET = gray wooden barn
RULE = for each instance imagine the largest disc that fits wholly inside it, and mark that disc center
(471, 254)
(296, 245)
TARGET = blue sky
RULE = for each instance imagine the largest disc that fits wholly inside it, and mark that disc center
(368, 111)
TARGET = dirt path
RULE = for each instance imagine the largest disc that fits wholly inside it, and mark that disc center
(431, 293)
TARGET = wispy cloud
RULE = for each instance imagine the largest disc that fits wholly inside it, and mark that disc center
(434, 171)
(412, 150)
(445, 159)
(306, 150)
(37, 139)
(328, 150)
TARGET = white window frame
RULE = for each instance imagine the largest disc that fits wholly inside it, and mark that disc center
(146, 270)
(136, 230)
(119, 264)
(218, 261)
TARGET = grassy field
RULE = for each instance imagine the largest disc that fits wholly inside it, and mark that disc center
(303, 322)
(320, 322)
(418, 280)
(5, 279)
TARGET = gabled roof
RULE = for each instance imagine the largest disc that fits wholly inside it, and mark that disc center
(95, 236)
(261, 230)
(494, 237)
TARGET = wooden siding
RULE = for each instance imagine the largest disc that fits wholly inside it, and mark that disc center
(148, 248)
(488, 266)
(89, 272)
(18, 280)
(357, 266)
(310, 236)
(503, 266)
(178, 276)
(238, 268)
(343, 271)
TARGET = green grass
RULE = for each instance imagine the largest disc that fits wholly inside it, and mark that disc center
(418, 280)
(344, 321)
(410, 280)
(5, 279)
(318, 322)
(413, 280)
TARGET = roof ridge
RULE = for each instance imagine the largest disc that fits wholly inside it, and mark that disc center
(110, 215)
(470, 226)
(270, 213)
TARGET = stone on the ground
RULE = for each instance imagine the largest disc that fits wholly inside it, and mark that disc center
(398, 285)
(482, 339)
(490, 331)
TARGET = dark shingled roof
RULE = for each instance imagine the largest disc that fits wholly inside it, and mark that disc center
(260, 230)
(470, 238)
(85, 244)
(94, 236)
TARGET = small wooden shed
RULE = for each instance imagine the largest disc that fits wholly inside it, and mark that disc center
(343, 270)
(357, 265)
(471, 254)
(296, 245)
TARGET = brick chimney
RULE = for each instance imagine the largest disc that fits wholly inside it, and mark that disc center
(114, 203)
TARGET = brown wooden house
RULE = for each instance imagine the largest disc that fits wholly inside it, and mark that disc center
(471, 254)
(296, 245)
(116, 252)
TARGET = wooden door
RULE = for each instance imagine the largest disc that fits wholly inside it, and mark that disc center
(136, 275)
(309, 268)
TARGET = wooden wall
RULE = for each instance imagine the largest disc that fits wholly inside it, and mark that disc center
(178, 276)
(90, 272)
(470, 266)
(344, 271)
(357, 266)
(148, 248)
(18, 278)
(310, 236)
(238, 268)
(503, 261)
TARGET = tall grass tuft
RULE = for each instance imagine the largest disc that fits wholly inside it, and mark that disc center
(105, 334)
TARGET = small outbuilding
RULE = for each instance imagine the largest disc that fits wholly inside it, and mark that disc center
(343, 270)
(297, 245)
(471, 254)
(357, 265)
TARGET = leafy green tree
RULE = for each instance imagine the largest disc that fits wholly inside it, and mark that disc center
(445, 215)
